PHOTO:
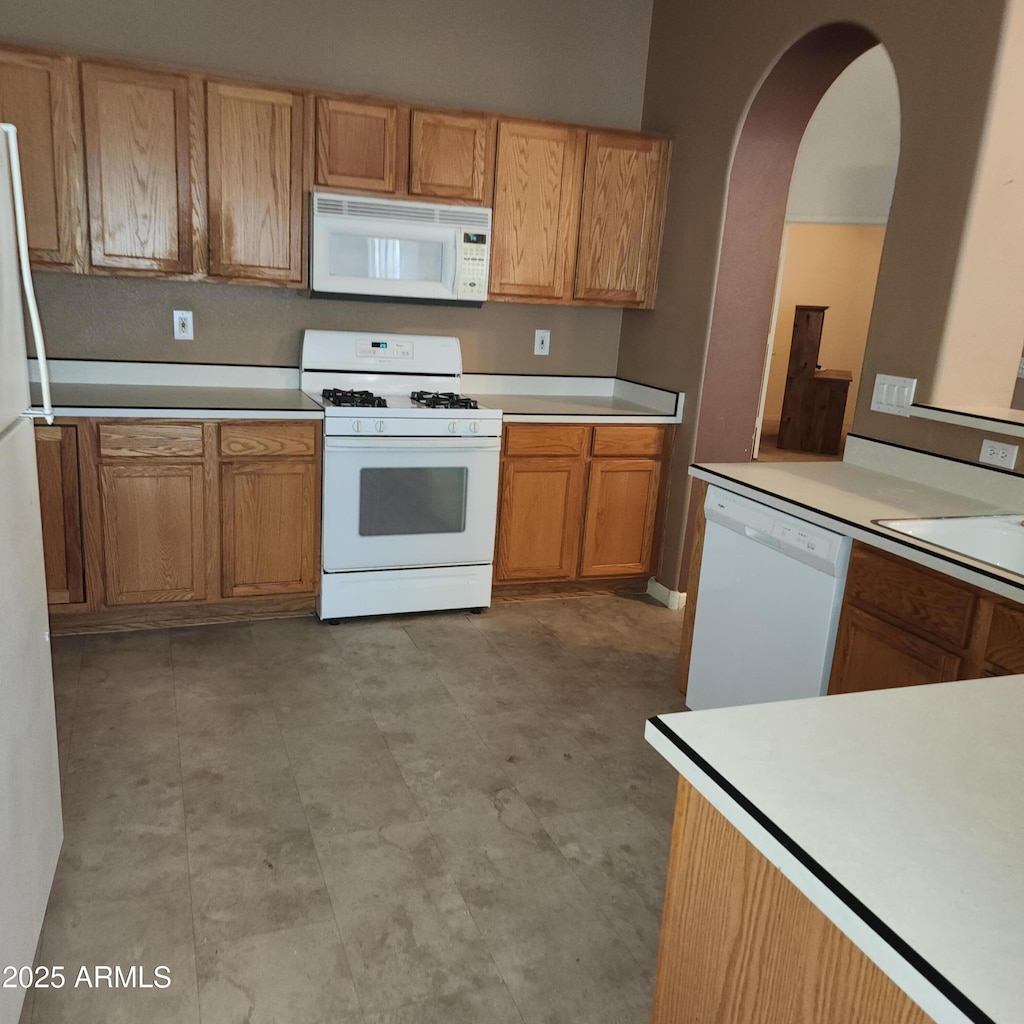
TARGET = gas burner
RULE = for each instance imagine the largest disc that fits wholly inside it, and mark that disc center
(443, 400)
(363, 399)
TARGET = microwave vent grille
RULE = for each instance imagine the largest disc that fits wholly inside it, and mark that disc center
(389, 209)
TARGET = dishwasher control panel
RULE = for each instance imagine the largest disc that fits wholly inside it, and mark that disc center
(820, 548)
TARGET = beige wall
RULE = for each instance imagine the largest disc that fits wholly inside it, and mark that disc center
(705, 64)
(577, 60)
(129, 318)
(834, 265)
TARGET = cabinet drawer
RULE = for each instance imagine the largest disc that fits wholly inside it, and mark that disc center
(541, 439)
(265, 440)
(631, 440)
(1005, 646)
(171, 440)
(916, 597)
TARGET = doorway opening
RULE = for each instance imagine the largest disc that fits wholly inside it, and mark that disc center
(753, 232)
(836, 214)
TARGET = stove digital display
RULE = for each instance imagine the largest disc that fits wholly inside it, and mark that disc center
(474, 238)
(378, 344)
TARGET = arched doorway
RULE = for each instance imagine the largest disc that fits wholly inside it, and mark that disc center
(762, 167)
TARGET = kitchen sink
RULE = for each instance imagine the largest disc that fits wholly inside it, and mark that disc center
(997, 540)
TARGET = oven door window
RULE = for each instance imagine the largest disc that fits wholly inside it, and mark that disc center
(406, 501)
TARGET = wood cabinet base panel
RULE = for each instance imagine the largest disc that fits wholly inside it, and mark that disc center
(740, 944)
(65, 623)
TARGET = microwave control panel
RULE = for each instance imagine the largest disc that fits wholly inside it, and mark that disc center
(474, 268)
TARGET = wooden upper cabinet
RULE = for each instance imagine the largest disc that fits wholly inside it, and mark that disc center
(452, 156)
(362, 145)
(538, 182)
(621, 220)
(255, 156)
(137, 148)
(39, 96)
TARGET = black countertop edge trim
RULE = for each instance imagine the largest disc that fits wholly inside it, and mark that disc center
(893, 536)
(939, 455)
(868, 916)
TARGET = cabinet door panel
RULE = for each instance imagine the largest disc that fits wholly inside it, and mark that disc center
(137, 150)
(538, 183)
(255, 145)
(39, 96)
(622, 503)
(153, 532)
(269, 518)
(452, 156)
(362, 146)
(540, 519)
(60, 508)
(875, 655)
(620, 224)
(1005, 644)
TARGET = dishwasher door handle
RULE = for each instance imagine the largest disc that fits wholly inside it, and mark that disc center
(761, 537)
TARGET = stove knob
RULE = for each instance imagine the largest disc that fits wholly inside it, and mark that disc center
(453, 427)
(474, 427)
(379, 426)
(357, 426)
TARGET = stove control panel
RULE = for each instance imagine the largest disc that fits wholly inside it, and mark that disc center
(384, 350)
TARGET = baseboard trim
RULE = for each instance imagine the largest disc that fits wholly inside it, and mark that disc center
(673, 599)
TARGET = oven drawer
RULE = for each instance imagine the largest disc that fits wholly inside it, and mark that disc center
(268, 440)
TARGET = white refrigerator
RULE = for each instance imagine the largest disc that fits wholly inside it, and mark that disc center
(30, 815)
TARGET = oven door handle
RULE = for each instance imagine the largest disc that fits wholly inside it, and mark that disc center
(398, 444)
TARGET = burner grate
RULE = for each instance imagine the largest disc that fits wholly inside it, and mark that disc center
(443, 400)
(360, 399)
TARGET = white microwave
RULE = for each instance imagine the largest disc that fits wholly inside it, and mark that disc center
(368, 248)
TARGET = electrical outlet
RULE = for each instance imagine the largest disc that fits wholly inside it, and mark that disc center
(996, 453)
(541, 343)
(183, 325)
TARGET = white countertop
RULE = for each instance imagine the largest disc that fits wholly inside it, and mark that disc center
(154, 400)
(880, 481)
(899, 813)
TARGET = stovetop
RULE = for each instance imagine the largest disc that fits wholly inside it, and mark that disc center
(443, 400)
(353, 398)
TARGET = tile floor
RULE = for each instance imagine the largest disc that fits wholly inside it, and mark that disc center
(435, 819)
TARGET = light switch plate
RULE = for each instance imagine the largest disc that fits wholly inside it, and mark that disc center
(541, 342)
(1020, 368)
(894, 395)
(183, 325)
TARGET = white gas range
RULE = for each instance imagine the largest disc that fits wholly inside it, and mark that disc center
(410, 476)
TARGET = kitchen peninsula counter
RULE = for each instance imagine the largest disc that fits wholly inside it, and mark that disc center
(881, 481)
(898, 814)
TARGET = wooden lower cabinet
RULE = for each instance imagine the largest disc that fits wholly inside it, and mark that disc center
(622, 503)
(872, 654)
(60, 508)
(153, 531)
(178, 521)
(268, 516)
(740, 944)
(541, 517)
(578, 502)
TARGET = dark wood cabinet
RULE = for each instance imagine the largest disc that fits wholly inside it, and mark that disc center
(814, 401)
(61, 513)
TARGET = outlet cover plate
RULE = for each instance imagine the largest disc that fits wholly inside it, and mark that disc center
(541, 342)
(998, 453)
(894, 395)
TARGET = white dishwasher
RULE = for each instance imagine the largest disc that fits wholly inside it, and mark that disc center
(768, 601)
